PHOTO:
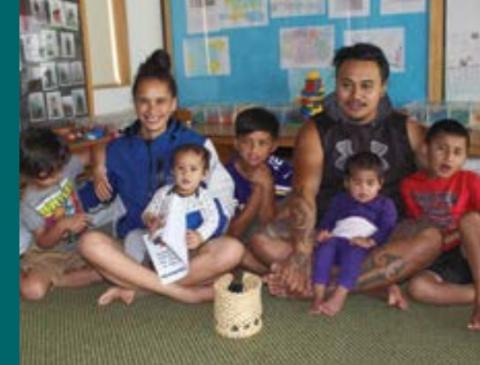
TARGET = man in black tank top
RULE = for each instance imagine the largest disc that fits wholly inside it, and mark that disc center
(357, 117)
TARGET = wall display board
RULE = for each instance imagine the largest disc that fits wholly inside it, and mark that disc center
(242, 51)
(462, 54)
(52, 67)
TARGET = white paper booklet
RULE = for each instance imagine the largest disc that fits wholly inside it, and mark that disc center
(167, 247)
(353, 227)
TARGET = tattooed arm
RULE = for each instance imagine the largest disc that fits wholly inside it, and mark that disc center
(308, 165)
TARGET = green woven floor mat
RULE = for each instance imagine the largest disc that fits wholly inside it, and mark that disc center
(68, 328)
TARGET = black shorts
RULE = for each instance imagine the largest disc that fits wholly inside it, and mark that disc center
(452, 267)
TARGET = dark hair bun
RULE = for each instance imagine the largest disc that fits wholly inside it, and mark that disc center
(159, 58)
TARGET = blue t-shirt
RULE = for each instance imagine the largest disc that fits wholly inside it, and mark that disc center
(282, 177)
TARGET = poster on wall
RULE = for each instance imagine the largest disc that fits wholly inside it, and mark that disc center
(390, 40)
(462, 61)
(52, 66)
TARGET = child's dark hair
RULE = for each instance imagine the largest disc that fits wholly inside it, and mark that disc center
(256, 119)
(42, 153)
(196, 149)
(157, 66)
(363, 52)
(364, 161)
(447, 126)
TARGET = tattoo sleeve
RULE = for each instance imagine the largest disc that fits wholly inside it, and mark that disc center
(381, 270)
(302, 221)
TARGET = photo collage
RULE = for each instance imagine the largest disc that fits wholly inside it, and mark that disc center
(51, 62)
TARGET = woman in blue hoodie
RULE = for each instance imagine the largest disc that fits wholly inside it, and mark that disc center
(137, 164)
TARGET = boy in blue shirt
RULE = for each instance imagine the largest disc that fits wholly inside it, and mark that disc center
(260, 178)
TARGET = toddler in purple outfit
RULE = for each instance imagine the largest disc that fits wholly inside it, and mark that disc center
(357, 220)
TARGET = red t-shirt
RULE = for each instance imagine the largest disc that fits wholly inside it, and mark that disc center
(442, 201)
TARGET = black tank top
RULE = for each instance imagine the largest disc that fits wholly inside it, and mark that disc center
(387, 138)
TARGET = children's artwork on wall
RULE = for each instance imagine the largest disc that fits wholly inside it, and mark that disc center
(52, 66)
(31, 48)
(49, 76)
(36, 107)
(79, 102)
(63, 71)
(76, 72)
(67, 45)
(243, 13)
(207, 56)
(56, 12)
(242, 54)
(71, 15)
(306, 47)
(462, 61)
(39, 10)
(54, 105)
(288, 8)
(50, 44)
(202, 16)
(402, 6)
(348, 8)
(68, 109)
(391, 40)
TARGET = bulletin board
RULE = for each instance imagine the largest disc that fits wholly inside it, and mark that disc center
(243, 51)
(51, 63)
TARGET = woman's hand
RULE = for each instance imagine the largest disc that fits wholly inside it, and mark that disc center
(194, 239)
(102, 186)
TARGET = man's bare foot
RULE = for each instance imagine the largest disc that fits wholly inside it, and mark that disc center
(335, 302)
(474, 324)
(116, 293)
(274, 283)
(396, 299)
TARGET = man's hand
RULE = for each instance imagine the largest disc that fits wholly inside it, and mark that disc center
(102, 186)
(153, 222)
(194, 239)
(295, 273)
(364, 242)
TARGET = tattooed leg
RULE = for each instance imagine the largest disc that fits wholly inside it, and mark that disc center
(398, 260)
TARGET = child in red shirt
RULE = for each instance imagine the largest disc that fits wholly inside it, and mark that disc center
(448, 198)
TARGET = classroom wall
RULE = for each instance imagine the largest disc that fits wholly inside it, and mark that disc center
(144, 35)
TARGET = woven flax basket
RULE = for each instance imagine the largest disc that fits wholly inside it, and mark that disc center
(238, 315)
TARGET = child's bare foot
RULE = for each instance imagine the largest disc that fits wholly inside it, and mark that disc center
(319, 295)
(474, 324)
(396, 299)
(116, 293)
(335, 303)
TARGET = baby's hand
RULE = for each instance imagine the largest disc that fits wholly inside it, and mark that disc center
(76, 223)
(364, 242)
(194, 239)
(102, 186)
(153, 222)
(323, 235)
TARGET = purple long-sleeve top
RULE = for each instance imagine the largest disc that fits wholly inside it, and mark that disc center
(380, 211)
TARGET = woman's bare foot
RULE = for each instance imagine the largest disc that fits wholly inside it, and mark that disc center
(274, 283)
(319, 296)
(474, 324)
(116, 293)
(396, 299)
(335, 302)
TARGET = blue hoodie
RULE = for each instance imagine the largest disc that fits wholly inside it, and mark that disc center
(137, 168)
